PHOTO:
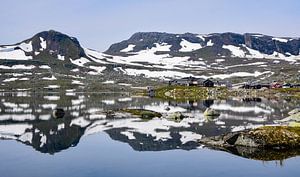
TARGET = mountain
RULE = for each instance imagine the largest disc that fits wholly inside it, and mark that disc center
(48, 58)
(50, 44)
(211, 45)
(52, 60)
(220, 56)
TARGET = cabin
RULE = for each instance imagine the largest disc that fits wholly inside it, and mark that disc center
(192, 81)
(186, 81)
(252, 86)
(256, 86)
(247, 100)
(208, 83)
(296, 86)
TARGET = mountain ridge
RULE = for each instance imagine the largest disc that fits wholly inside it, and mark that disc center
(147, 57)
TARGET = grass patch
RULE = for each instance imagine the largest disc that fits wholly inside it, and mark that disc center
(278, 136)
(142, 113)
(189, 93)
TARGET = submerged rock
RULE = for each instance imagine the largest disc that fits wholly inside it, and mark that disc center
(58, 113)
(167, 108)
(209, 112)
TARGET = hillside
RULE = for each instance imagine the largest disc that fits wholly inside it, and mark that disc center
(52, 60)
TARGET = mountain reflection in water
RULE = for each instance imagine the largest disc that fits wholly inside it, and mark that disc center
(28, 118)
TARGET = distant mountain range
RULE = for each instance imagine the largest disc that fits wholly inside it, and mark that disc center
(148, 56)
(211, 45)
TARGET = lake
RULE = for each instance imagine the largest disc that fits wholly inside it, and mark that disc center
(95, 138)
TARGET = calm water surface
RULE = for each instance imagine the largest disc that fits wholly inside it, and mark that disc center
(94, 138)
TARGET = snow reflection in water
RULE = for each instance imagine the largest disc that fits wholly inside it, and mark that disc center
(27, 117)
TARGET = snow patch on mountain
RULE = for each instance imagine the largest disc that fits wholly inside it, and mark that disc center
(280, 39)
(16, 67)
(202, 37)
(27, 47)
(209, 43)
(187, 46)
(236, 51)
(52, 78)
(96, 56)
(60, 57)
(129, 48)
(10, 79)
(240, 74)
(98, 70)
(80, 62)
(150, 56)
(166, 74)
(43, 44)
(45, 67)
(12, 54)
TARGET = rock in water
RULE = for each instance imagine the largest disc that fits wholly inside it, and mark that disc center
(167, 108)
(142, 113)
(209, 112)
(58, 113)
(176, 116)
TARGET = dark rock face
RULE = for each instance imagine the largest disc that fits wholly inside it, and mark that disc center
(56, 44)
(262, 43)
(147, 40)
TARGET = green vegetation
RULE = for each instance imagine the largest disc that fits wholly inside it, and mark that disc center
(189, 93)
(292, 92)
(277, 136)
(142, 113)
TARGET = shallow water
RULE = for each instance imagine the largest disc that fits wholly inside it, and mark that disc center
(95, 139)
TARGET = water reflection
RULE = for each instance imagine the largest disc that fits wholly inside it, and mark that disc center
(52, 122)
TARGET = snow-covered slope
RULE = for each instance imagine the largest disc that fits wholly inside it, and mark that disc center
(151, 56)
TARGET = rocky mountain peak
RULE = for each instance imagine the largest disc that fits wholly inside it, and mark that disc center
(56, 44)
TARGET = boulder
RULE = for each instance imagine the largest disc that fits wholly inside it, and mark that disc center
(209, 112)
(58, 113)
(167, 108)
(176, 116)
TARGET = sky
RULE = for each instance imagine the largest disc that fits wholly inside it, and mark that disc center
(99, 23)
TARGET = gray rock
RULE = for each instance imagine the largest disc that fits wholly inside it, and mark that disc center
(58, 113)
(211, 113)
(176, 116)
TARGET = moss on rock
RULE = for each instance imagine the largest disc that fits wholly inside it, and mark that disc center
(272, 137)
(189, 93)
(142, 113)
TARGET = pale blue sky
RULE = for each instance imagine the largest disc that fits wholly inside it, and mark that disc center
(99, 23)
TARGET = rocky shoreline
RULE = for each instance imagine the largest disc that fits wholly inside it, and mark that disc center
(268, 137)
